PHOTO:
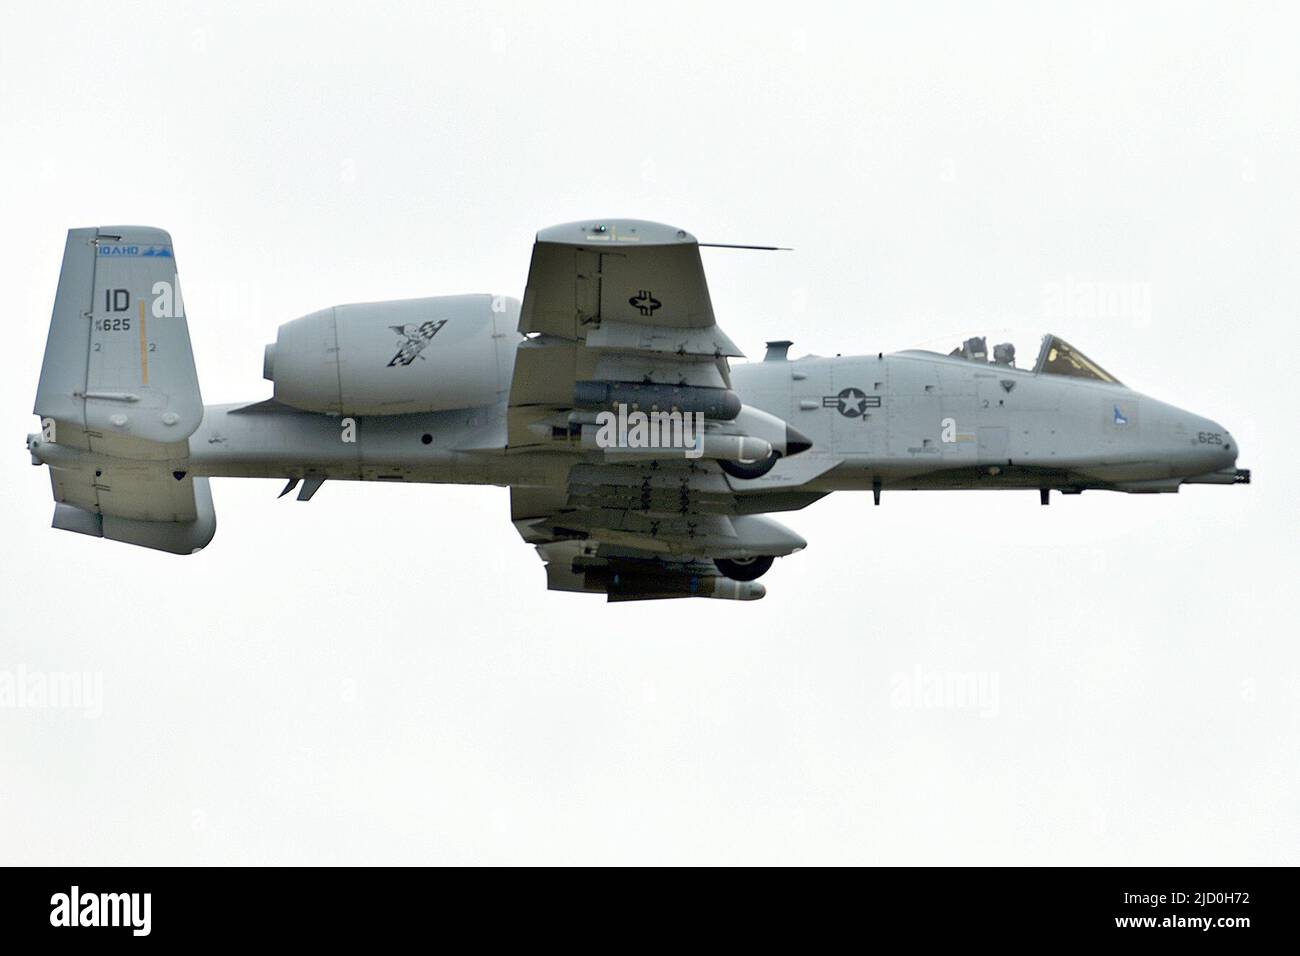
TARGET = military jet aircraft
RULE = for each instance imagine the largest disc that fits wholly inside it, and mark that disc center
(640, 462)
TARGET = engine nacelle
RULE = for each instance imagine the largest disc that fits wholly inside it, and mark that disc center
(390, 358)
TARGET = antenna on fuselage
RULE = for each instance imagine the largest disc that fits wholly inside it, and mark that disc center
(732, 245)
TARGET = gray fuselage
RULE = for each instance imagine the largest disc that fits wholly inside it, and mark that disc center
(908, 420)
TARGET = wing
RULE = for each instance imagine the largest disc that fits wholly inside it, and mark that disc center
(620, 300)
(638, 532)
(617, 313)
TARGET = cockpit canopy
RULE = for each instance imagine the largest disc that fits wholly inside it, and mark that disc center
(1055, 357)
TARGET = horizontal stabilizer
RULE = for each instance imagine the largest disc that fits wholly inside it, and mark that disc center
(177, 537)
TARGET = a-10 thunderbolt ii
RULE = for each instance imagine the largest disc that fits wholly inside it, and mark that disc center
(640, 462)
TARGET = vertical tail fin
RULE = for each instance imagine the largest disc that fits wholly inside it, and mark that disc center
(119, 396)
(118, 361)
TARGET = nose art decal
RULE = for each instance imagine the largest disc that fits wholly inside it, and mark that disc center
(413, 340)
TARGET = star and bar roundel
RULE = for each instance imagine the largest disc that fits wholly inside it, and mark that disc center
(851, 402)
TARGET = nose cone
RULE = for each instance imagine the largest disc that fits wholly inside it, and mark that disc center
(1218, 442)
(1229, 449)
(796, 441)
(1206, 445)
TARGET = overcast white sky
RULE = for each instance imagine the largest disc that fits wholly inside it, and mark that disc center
(381, 676)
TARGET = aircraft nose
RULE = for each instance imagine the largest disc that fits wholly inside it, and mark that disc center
(1221, 443)
(1201, 451)
(1229, 448)
(1212, 442)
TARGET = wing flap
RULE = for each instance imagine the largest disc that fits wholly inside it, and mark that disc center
(655, 339)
